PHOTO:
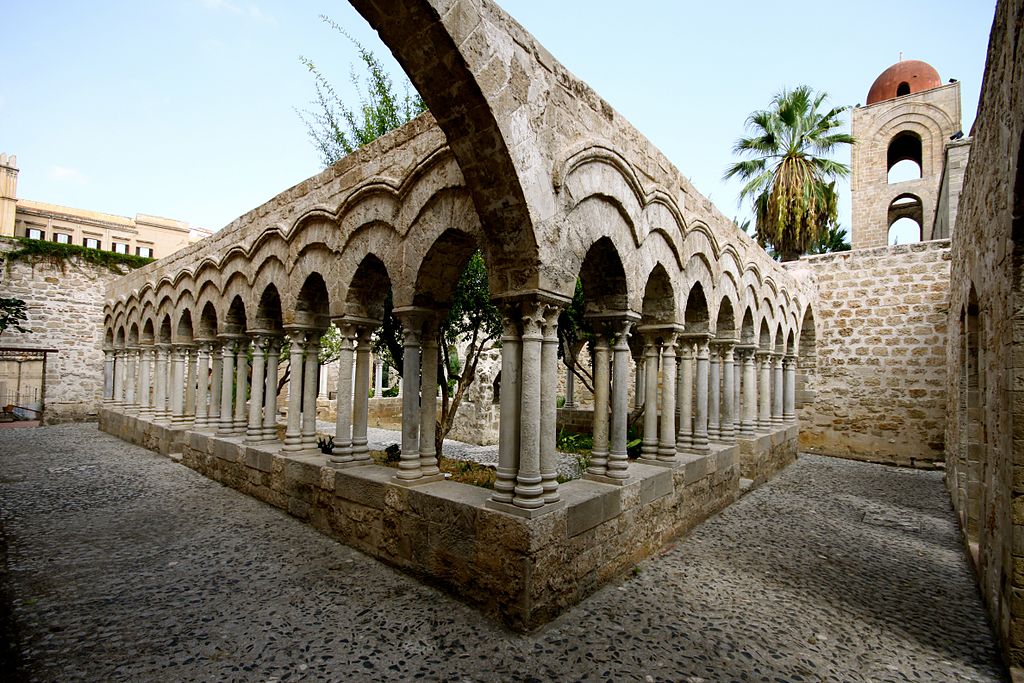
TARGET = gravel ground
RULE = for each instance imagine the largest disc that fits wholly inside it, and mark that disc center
(123, 566)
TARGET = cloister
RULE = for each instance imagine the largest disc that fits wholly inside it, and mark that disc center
(522, 161)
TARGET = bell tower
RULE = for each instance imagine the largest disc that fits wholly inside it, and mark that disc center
(900, 151)
(8, 193)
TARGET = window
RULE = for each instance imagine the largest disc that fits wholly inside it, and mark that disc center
(902, 89)
(91, 243)
(61, 238)
(145, 252)
(120, 247)
(35, 234)
(904, 159)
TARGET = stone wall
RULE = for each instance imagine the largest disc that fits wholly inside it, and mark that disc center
(985, 360)
(65, 312)
(879, 387)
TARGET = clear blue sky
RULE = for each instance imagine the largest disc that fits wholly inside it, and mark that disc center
(184, 108)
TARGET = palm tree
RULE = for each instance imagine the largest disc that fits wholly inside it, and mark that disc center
(832, 239)
(789, 178)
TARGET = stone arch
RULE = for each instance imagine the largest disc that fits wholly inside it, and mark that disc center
(165, 329)
(119, 337)
(108, 337)
(314, 263)
(235, 319)
(659, 305)
(271, 270)
(476, 125)
(133, 335)
(312, 304)
(148, 336)
(764, 335)
(696, 315)
(207, 328)
(369, 290)
(440, 269)
(748, 334)
(780, 339)
(725, 326)
(183, 329)
(807, 362)
(905, 219)
(268, 309)
(603, 279)
(904, 151)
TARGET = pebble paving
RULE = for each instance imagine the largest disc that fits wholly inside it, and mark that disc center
(120, 565)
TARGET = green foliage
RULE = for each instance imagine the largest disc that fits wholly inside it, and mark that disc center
(41, 251)
(569, 442)
(573, 334)
(393, 453)
(13, 312)
(789, 180)
(390, 392)
(833, 239)
(338, 129)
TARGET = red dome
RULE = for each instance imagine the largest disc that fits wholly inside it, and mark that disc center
(912, 75)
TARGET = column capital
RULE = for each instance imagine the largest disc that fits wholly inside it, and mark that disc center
(724, 343)
(667, 333)
(614, 323)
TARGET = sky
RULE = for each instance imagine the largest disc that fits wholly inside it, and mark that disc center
(187, 108)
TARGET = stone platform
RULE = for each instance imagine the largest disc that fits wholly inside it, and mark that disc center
(521, 571)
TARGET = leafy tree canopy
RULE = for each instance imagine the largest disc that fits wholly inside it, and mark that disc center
(13, 312)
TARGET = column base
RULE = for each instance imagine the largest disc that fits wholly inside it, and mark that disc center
(412, 483)
(526, 513)
(605, 479)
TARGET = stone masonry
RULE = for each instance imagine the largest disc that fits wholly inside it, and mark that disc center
(65, 310)
(880, 345)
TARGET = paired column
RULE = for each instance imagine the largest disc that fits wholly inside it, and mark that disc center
(378, 378)
(684, 437)
(225, 423)
(727, 428)
(409, 467)
(269, 429)
(130, 383)
(239, 421)
(667, 443)
(145, 381)
(160, 412)
(789, 389)
(342, 453)
(119, 374)
(190, 384)
(177, 399)
(254, 428)
(361, 405)
(203, 387)
(764, 417)
(529, 493)
(602, 387)
(748, 424)
(715, 391)
(549, 407)
(310, 390)
(216, 383)
(700, 417)
(428, 397)
(293, 430)
(776, 390)
(108, 375)
(649, 446)
(508, 427)
(618, 460)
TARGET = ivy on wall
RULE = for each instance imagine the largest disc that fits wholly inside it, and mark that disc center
(41, 251)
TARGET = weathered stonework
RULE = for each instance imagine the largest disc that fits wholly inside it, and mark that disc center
(880, 382)
(65, 304)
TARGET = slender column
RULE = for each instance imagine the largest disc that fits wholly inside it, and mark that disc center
(160, 413)
(618, 460)
(764, 417)
(269, 429)
(789, 390)
(216, 382)
(736, 397)
(529, 491)
(108, 375)
(684, 437)
(145, 381)
(700, 413)
(241, 385)
(361, 405)
(119, 361)
(649, 447)
(254, 430)
(508, 426)
(715, 393)
(749, 422)
(639, 379)
(343, 411)
(602, 380)
(321, 382)
(293, 432)
(409, 466)
(225, 424)
(777, 390)
(548, 406)
(727, 428)
(428, 398)
(310, 390)
(378, 378)
(667, 444)
(202, 388)
(570, 387)
(190, 384)
(178, 354)
(130, 381)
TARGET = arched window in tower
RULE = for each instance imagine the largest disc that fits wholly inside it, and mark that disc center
(902, 89)
(906, 218)
(904, 160)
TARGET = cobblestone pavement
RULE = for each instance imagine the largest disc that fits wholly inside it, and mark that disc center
(123, 566)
